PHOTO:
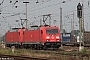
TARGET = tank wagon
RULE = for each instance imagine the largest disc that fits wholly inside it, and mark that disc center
(39, 37)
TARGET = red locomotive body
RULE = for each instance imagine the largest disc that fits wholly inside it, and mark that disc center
(14, 37)
(44, 36)
(31, 36)
(40, 37)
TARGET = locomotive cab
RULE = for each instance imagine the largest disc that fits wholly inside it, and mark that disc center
(50, 36)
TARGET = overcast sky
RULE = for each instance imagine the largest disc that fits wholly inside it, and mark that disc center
(10, 12)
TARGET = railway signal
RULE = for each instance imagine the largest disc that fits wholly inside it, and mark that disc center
(79, 15)
(79, 10)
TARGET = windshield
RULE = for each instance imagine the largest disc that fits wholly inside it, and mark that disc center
(51, 31)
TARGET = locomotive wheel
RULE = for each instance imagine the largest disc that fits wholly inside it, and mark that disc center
(45, 47)
(39, 47)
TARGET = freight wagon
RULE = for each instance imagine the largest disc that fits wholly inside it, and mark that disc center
(68, 39)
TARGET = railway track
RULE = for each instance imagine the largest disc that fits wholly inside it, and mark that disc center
(56, 55)
(13, 57)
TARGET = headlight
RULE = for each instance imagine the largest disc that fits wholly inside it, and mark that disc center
(47, 40)
(57, 37)
(58, 40)
(47, 37)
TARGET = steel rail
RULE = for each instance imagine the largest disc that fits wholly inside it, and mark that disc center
(14, 57)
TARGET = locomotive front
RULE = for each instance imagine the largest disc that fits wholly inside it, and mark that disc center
(51, 37)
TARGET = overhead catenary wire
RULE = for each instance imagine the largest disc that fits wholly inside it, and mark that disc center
(43, 7)
(52, 5)
(14, 14)
(49, 6)
(46, 6)
(11, 5)
(37, 5)
(55, 14)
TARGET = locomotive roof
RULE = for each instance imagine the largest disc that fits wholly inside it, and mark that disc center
(49, 26)
(34, 26)
(41, 26)
(17, 28)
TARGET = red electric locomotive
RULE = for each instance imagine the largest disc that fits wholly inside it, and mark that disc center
(14, 37)
(39, 37)
(42, 37)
